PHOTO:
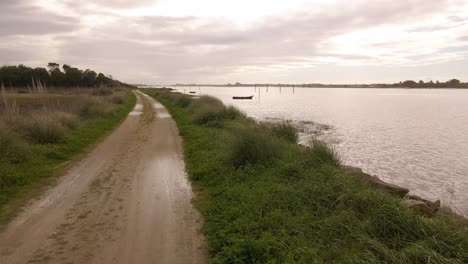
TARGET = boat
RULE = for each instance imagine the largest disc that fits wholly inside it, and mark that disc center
(192, 92)
(242, 97)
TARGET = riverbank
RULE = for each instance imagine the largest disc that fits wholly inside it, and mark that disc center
(267, 199)
(42, 133)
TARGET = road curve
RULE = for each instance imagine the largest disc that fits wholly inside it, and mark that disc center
(127, 201)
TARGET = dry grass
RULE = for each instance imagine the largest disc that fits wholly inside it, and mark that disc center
(46, 117)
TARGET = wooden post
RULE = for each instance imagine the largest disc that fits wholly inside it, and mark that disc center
(259, 91)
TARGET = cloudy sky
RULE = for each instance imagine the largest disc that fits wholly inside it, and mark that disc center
(220, 41)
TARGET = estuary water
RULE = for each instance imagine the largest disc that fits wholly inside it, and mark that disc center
(414, 138)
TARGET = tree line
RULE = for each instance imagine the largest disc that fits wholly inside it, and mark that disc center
(453, 83)
(66, 76)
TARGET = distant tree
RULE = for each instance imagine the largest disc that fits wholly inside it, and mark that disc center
(66, 67)
(89, 78)
(57, 78)
(410, 84)
(53, 66)
(23, 76)
(453, 83)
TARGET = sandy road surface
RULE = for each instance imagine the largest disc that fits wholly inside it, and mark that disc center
(128, 201)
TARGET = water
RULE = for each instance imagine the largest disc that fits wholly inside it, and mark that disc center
(413, 138)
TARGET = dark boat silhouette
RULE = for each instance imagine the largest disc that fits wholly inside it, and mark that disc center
(192, 92)
(242, 97)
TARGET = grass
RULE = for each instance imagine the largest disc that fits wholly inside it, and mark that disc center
(266, 199)
(45, 130)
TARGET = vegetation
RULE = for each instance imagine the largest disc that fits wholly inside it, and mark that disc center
(41, 130)
(33, 78)
(266, 199)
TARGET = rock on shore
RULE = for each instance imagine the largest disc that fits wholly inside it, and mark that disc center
(416, 203)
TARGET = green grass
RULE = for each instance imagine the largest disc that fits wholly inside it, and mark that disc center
(49, 147)
(268, 200)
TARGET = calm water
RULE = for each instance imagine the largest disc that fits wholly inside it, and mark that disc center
(413, 138)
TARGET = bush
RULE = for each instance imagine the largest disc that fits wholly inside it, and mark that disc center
(103, 91)
(13, 148)
(178, 99)
(320, 153)
(93, 107)
(118, 99)
(253, 146)
(68, 120)
(42, 129)
(285, 131)
(211, 112)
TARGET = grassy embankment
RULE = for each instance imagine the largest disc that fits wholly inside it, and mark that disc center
(42, 130)
(266, 199)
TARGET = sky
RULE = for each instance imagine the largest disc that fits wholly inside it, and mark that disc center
(221, 41)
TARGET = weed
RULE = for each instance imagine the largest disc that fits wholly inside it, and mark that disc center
(13, 148)
(286, 131)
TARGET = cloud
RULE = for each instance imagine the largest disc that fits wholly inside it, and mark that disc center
(20, 17)
(186, 48)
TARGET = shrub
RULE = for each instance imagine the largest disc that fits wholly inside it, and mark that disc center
(253, 146)
(285, 131)
(178, 99)
(321, 153)
(93, 107)
(68, 120)
(232, 113)
(103, 91)
(12, 147)
(42, 129)
(211, 112)
(118, 99)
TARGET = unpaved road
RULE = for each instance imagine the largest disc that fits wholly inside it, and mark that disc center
(128, 201)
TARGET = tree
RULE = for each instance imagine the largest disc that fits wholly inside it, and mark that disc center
(409, 84)
(53, 66)
(89, 78)
(453, 83)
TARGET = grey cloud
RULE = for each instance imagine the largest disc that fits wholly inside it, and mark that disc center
(196, 49)
(22, 18)
(174, 47)
(14, 56)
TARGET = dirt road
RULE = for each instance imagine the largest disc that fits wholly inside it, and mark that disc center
(128, 201)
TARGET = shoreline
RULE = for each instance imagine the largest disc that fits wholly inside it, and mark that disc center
(253, 176)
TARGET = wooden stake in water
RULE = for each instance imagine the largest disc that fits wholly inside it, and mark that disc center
(259, 91)
(267, 88)
(280, 88)
(293, 89)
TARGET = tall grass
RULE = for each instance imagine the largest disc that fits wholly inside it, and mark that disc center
(266, 199)
(252, 146)
(286, 131)
(44, 128)
(13, 149)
